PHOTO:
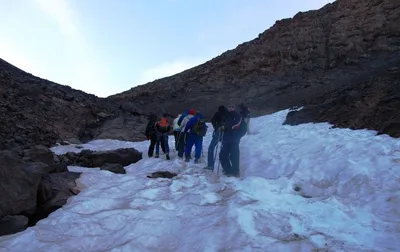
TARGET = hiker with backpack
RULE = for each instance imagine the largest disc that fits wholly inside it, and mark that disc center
(197, 129)
(245, 114)
(162, 128)
(234, 129)
(182, 135)
(177, 130)
(217, 120)
(151, 133)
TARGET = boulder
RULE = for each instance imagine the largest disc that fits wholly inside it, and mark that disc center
(13, 224)
(18, 185)
(115, 168)
(39, 153)
(88, 158)
(53, 193)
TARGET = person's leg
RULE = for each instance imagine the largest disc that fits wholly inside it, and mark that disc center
(224, 158)
(166, 145)
(198, 148)
(153, 140)
(181, 146)
(235, 158)
(176, 136)
(188, 148)
(211, 148)
(158, 146)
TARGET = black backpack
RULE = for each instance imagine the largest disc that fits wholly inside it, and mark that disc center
(242, 128)
(200, 127)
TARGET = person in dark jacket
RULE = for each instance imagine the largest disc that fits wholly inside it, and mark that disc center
(194, 138)
(151, 133)
(217, 121)
(229, 155)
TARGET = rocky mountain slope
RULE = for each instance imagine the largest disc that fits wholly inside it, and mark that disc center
(36, 111)
(340, 62)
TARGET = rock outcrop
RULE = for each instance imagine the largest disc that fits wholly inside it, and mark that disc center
(33, 184)
(344, 49)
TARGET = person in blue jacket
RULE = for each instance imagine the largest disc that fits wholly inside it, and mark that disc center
(196, 134)
(233, 132)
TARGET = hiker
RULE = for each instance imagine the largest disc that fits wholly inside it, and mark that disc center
(184, 136)
(234, 128)
(151, 133)
(162, 128)
(217, 121)
(197, 129)
(177, 130)
(245, 114)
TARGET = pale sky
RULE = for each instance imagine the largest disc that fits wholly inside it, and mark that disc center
(106, 47)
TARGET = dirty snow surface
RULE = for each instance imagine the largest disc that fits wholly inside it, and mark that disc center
(302, 188)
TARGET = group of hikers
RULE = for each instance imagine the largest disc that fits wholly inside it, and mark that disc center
(189, 129)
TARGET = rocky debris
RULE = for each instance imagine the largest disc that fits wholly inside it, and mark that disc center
(13, 224)
(162, 174)
(302, 61)
(33, 183)
(88, 158)
(115, 168)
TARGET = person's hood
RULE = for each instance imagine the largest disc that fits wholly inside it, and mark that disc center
(199, 115)
(152, 117)
(222, 109)
(192, 112)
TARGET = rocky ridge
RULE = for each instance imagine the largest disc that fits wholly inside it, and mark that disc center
(315, 59)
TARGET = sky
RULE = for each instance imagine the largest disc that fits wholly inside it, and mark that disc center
(107, 47)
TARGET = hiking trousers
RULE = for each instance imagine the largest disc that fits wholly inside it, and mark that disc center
(182, 143)
(229, 157)
(163, 140)
(197, 141)
(176, 136)
(211, 148)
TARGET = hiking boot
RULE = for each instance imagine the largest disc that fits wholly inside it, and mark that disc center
(197, 161)
(168, 158)
(156, 156)
(187, 159)
(209, 168)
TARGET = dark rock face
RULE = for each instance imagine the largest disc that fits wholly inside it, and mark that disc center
(88, 158)
(35, 111)
(317, 57)
(373, 101)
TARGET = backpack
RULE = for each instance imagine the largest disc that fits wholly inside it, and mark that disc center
(200, 127)
(242, 128)
(181, 119)
(163, 125)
